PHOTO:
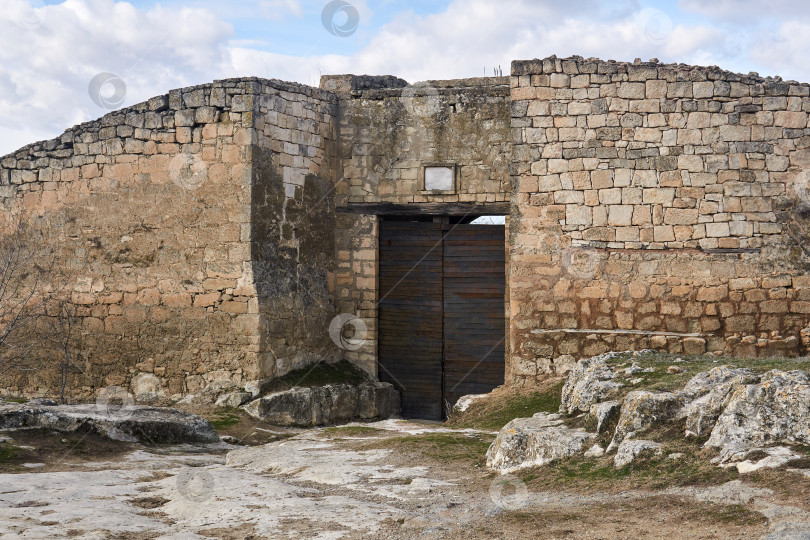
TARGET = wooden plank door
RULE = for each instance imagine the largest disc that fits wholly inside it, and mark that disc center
(410, 315)
(441, 312)
(474, 261)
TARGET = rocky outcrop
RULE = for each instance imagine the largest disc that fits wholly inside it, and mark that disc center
(590, 382)
(602, 414)
(147, 388)
(233, 399)
(330, 404)
(745, 414)
(773, 457)
(774, 410)
(220, 393)
(630, 449)
(541, 439)
(642, 410)
(707, 392)
(128, 423)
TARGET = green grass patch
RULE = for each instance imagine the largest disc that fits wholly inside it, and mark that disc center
(224, 420)
(529, 477)
(693, 469)
(16, 400)
(739, 514)
(8, 453)
(440, 446)
(589, 470)
(319, 374)
(498, 410)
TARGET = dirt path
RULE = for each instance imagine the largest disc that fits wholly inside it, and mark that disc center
(391, 479)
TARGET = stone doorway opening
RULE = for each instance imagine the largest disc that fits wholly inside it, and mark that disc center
(441, 314)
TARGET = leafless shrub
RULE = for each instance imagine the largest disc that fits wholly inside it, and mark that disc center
(24, 293)
(62, 333)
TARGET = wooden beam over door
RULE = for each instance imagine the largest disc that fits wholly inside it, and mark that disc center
(427, 209)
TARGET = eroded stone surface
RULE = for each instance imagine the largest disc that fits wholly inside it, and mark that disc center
(641, 410)
(307, 487)
(630, 449)
(128, 423)
(541, 439)
(708, 391)
(335, 403)
(775, 410)
(590, 382)
(776, 456)
(604, 413)
(464, 402)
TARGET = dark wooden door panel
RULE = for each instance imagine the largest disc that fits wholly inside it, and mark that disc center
(410, 315)
(473, 319)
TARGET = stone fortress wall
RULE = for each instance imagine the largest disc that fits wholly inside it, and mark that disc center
(656, 206)
(208, 241)
(163, 217)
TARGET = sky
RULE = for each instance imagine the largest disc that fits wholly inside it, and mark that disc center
(66, 62)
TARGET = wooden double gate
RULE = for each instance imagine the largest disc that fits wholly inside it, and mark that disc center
(441, 312)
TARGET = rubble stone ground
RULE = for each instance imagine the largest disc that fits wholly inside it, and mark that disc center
(359, 481)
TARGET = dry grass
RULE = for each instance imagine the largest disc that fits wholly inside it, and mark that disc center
(505, 404)
(661, 380)
(468, 449)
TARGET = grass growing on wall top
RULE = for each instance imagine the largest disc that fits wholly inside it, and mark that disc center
(319, 374)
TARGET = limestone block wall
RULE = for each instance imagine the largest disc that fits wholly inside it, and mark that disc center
(160, 218)
(356, 283)
(388, 132)
(655, 206)
(204, 235)
(293, 224)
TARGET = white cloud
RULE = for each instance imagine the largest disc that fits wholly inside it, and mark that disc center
(472, 34)
(746, 12)
(45, 68)
(48, 56)
(784, 52)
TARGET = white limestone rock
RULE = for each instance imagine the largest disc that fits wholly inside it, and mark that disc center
(147, 388)
(708, 391)
(464, 402)
(233, 399)
(591, 381)
(633, 369)
(641, 410)
(254, 388)
(604, 413)
(129, 423)
(776, 456)
(775, 410)
(329, 404)
(595, 451)
(541, 439)
(630, 449)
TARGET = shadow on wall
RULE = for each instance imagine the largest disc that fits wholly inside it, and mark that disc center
(292, 253)
(795, 213)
